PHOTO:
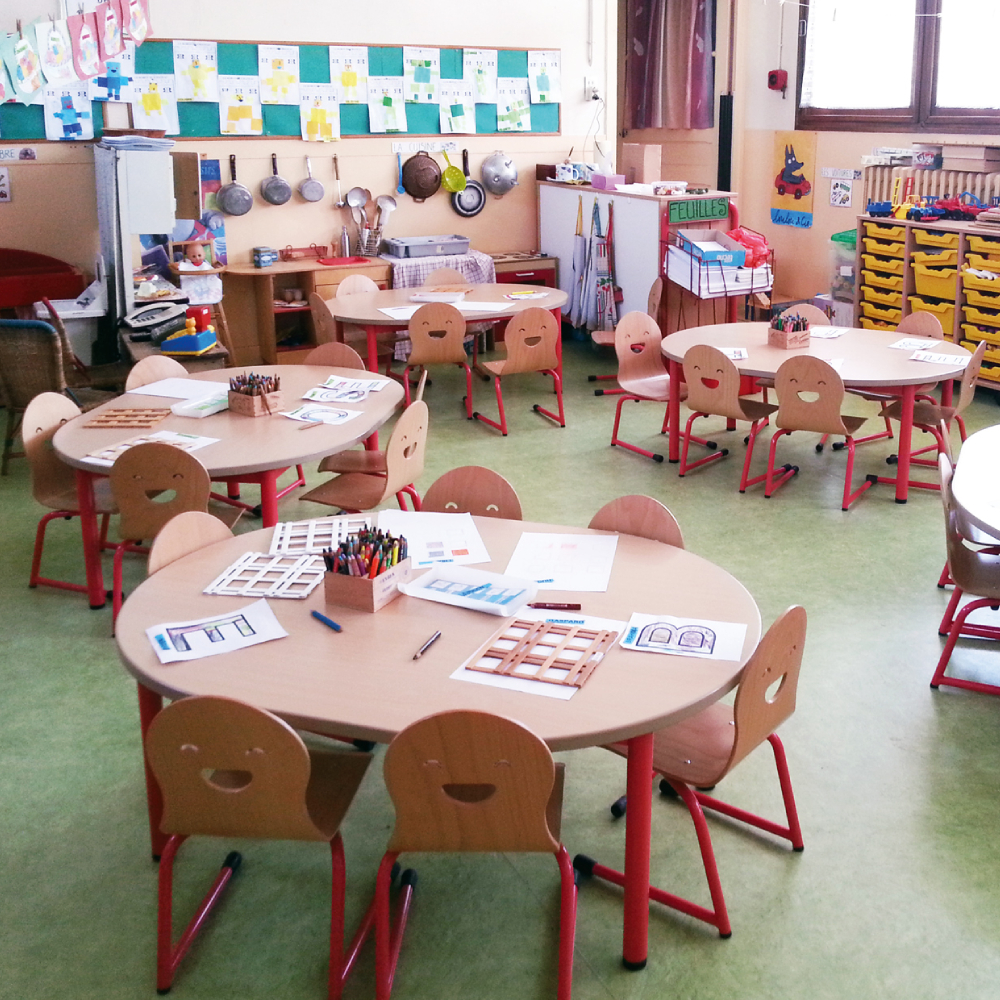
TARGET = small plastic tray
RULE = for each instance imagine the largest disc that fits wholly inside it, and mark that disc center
(975, 333)
(937, 281)
(945, 311)
(885, 297)
(885, 313)
(883, 232)
(936, 258)
(981, 263)
(885, 264)
(928, 238)
(991, 300)
(984, 244)
(976, 314)
(884, 247)
(893, 281)
(873, 324)
(982, 284)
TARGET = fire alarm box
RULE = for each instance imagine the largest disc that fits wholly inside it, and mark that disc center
(777, 79)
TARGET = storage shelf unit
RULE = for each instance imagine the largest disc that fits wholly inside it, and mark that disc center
(907, 267)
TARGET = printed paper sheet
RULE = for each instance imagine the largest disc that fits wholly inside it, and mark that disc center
(240, 112)
(513, 107)
(422, 73)
(710, 640)
(314, 414)
(154, 104)
(68, 112)
(196, 71)
(564, 562)
(436, 538)
(115, 84)
(349, 73)
(319, 112)
(186, 442)
(458, 106)
(180, 388)
(278, 69)
(544, 77)
(386, 104)
(479, 67)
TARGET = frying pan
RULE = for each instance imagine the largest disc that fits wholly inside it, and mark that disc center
(275, 189)
(469, 202)
(233, 198)
(421, 176)
(311, 189)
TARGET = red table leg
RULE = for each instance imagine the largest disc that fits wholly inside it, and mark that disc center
(905, 443)
(91, 538)
(639, 788)
(150, 704)
(372, 332)
(674, 412)
(269, 497)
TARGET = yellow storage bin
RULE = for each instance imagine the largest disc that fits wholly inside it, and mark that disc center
(976, 314)
(945, 311)
(973, 334)
(885, 297)
(981, 284)
(885, 264)
(935, 258)
(938, 282)
(982, 263)
(987, 372)
(884, 247)
(929, 238)
(885, 313)
(883, 232)
(984, 244)
(989, 299)
(894, 281)
(873, 324)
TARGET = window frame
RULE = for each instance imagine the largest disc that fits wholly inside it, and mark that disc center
(921, 116)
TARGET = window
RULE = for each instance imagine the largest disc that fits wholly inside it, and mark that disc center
(899, 65)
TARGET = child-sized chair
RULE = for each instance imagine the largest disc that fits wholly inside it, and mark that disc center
(152, 369)
(639, 515)
(437, 337)
(473, 489)
(334, 354)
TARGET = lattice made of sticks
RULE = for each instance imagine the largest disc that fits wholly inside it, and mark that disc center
(544, 651)
(128, 416)
(317, 535)
(259, 574)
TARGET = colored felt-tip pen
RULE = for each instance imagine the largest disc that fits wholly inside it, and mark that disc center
(427, 645)
(545, 606)
(326, 621)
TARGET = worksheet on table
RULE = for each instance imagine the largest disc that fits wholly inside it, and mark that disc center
(433, 537)
(564, 562)
(180, 388)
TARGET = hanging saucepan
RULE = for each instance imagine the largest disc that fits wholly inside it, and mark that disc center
(275, 189)
(469, 202)
(310, 188)
(421, 176)
(234, 198)
(499, 173)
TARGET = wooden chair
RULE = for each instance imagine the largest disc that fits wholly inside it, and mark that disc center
(153, 368)
(326, 326)
(335, 355)
(31, 362)
(185, 533)
(700, 751)
(227, 769)
(606, 338)
(642, 516)
(393, 471)
(53, 483)
(473, 489)
(713, 388)
(532, 343)
(921, 324)
(446, 276)
(437, 337)
(78, 375)
(815, 315)
(973, 571)
(803, 374)
(470, 782)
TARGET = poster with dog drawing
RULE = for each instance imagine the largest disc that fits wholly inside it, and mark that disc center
(794, 171)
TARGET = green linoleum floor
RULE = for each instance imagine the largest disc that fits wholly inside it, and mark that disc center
(895, 895)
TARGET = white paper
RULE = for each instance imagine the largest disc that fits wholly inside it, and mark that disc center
(433, 537)
(321, 414)
(936, 359)
(68, 112)
(180, 388)
(422, 73)
(319, 112)
(735, 353)
(475, 589)
(911, 344)
(700, 637)
(471, 307)
(154, 102)
(386, 104)
(55, 51)
(351, 384)
(457, 99)
(564, 562)
(544, 77)
(349, 72)
(240, 112)
(835, 363)
(192, 640)
(399, 312)
(479, 67)
(513, 104)
(186, 442)
(115, 83)
(196, 71)
(827, 332)
(322, 394)
(278, 70)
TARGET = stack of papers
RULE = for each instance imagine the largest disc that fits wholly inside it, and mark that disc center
(436, 538)
(564, 562)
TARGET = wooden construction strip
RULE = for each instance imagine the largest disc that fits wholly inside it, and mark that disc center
(128, 416)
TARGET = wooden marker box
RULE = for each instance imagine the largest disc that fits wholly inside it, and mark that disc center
(362, 594)
(788, 340)
(254, 406)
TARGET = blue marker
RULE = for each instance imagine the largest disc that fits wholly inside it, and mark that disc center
(326, 621)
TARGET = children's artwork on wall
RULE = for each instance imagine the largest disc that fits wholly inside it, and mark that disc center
(278, 69)
(544, 81)
(109, 30)
(135, 19)
(349, 73)
(479, 67)
(55, 51)
(5, 193)
(319, 112)
(24, 67)
(239, 106)
(795, 165)
(6, 93)
(115, 83)
(841, 192)
(196, 71)
(86, 52)
(458, 106)
(386, 104)
(155, 103)
(422, 73)
(513, 110)
(68, 112)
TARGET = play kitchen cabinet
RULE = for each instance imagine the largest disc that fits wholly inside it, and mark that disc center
(526, 269)
(905, 267)
(267, 329)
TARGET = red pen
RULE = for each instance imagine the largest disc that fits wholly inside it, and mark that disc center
(544, 606)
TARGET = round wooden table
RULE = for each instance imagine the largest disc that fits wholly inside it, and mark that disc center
(363, 683)
(364, 309)
(867, 362)
(249, 449)
(976, 486)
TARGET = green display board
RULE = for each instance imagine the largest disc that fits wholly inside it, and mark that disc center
(201, 120)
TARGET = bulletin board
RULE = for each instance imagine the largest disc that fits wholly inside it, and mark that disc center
(200, 120)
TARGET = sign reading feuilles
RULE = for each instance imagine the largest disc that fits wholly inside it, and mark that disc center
(698, 210)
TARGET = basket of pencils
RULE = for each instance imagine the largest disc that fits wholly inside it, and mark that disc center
(788, 331)
(255, 395)
(363, 573)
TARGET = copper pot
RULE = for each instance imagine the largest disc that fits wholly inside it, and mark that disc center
(421, 176)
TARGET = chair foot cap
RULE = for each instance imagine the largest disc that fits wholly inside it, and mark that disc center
(871, 478)
(838, 446)
(366, 746)
(819, 449)
(711, 446)
(584, 865)
(657, 458)
(725, 937)
(633, 966)
(799, 850)
(409, 877)
(900, 501)
(618, 807)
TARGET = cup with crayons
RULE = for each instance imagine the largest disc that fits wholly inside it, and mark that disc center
(364, 572)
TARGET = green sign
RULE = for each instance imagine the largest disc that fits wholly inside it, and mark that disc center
(698, 210)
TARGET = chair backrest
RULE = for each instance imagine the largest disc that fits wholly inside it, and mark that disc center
(323, 322)
(73, 369)
(921, 324)
(766, 695)
(639, 515)
(637, 344)
(713, 382)
(532, 342)
(469, 781)
(356, 284)
(231, 770)
(446, 276)
(44, 415)
(153, 482)
(653, 300)
(404, 454)
(473, 489)
(334, 354)
(152, 369)
(813, 314)
(437, 335)
(182, 534)
(961, 559)
(30, 360)
(824, 392)
(969, 376)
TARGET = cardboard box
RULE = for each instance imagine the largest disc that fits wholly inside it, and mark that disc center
(788, 340)
(362, 594)
(640, 162)
(606, 182)
(711, 244)
(255, 406)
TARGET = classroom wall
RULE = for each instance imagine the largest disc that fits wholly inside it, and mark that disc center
(53, 209)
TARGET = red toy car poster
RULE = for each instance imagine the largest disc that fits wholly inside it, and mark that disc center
(795, 167)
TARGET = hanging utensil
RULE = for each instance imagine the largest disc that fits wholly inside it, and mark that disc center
(452, 180)
(469, 202)
(499, 173)
(339, 203)
(421, 176)
(234, 198)
(385, 203)
(310, 188)
(275, 189)
(399, 166)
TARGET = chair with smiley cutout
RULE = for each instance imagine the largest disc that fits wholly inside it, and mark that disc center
(473, 489)
(437, 337)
